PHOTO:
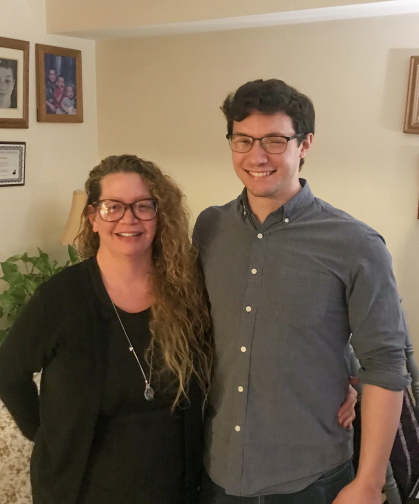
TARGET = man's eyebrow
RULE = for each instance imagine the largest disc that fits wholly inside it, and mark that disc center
(274, 133)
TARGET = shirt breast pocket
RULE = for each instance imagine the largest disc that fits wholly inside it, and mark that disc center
(303, 296)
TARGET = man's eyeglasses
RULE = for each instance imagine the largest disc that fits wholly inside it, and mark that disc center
(113, 210)
(270, 144)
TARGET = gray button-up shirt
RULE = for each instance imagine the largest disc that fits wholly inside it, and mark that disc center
(285, 297)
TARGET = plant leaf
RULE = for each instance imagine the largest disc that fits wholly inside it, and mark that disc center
(7, 301)
(31, 284)
(14, 258)
(8, 267)
(42, 254)
(44, 266)
(72, 253)
(18, 293)
(11, 274)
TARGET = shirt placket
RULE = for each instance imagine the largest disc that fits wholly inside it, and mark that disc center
(237, 455)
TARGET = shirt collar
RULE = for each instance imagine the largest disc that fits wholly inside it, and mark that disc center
(290, 210)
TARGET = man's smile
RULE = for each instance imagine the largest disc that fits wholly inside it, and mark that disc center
(260, 173)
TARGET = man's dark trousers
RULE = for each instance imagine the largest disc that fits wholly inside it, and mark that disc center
(322, 491)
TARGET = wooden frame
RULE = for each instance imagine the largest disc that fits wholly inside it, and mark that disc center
(14, 58)
(12, 163)
(54, 102)
(411, 120)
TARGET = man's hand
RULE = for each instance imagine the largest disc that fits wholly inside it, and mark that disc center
(357, 493)
(346, 413)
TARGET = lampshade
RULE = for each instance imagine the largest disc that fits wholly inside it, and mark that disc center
(73, 222)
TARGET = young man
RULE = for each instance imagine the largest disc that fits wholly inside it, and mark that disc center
(290, 278)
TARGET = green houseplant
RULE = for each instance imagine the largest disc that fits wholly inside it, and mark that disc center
(23, 274)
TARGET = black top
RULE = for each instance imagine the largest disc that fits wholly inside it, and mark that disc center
(137, 451)
(62, 330)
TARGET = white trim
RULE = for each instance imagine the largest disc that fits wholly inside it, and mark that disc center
(376, 9)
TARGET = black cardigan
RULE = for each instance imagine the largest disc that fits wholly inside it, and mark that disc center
(62, 331)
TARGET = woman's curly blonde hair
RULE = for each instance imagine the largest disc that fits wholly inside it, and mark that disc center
(180, 322)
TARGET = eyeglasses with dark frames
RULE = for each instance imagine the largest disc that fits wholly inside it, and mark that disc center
(111, 210)
(272, 144)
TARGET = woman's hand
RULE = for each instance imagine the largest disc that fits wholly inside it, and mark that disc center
(346, 413)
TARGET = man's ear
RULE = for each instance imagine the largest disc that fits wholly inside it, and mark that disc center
(306, 145)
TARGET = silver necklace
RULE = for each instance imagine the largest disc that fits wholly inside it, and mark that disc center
(148, 392)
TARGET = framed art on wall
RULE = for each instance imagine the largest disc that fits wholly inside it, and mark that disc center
(411, 120)
(14, 83)
(12, 163)
(59, 93)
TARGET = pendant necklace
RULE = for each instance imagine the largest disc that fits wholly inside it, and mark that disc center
(148, 392)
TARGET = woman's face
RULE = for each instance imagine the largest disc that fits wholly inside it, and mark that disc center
(128, 237)
(7, 83)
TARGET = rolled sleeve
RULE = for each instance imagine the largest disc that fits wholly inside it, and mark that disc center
(375, 315)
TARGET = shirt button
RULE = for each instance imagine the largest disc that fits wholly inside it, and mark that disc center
(248, 309)
(260, 236)
(254, 271)
(240, 389)
(243, 349)
(237, 428)
(286, 220)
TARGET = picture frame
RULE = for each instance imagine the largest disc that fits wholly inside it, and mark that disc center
(14, 83)
(12, 163)
(59, 89)
(411, 120)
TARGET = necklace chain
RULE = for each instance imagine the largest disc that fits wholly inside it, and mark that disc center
(148, 392)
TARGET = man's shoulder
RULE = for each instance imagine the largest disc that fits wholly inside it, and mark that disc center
(213, 214)
(345, 222)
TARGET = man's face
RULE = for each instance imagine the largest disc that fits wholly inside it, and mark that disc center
(52, 76)
(273, 176)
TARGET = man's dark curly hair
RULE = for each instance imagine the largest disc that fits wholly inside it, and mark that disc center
(268, 97)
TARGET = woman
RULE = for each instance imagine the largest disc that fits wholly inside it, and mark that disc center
(122, 342)
(8, 83)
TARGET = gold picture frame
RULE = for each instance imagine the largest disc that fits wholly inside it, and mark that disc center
(14, 83)
(59, 89)
(411, 120)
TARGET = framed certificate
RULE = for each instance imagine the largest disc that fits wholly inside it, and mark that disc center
(12, 163)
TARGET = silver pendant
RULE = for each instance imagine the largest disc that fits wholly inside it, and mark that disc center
(148, 392)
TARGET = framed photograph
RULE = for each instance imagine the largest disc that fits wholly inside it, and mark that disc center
(411, 120)
(12, 163)
(14, 83)
(59, 93)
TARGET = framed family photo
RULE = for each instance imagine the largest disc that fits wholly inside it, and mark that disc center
(411, 120)
(14, 83)
(59, 93)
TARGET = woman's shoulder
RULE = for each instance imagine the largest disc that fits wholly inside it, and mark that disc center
(69, 279)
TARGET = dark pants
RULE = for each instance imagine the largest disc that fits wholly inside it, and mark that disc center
(322, 491)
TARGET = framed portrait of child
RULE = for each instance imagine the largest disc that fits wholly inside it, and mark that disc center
(59, 93)
(14, 83)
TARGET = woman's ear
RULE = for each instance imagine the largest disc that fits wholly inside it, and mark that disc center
(91, 211)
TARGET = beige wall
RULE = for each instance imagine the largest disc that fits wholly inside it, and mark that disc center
(58, 156)
(160, 98)
(74, 15)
